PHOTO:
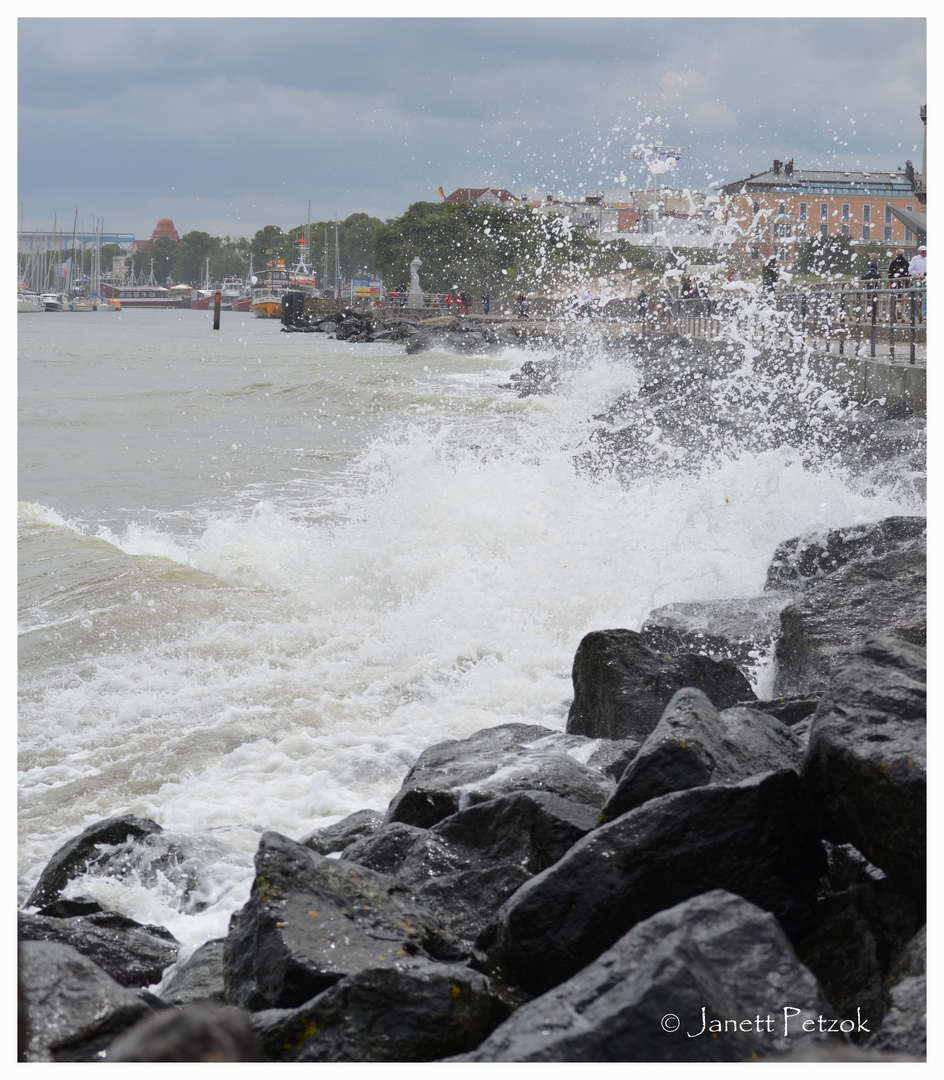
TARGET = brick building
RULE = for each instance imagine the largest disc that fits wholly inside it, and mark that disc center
(775, 212)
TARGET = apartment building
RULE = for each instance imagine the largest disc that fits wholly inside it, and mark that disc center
(775, 212)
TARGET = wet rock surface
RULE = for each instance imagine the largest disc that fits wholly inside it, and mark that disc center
(752, 838)
(542, 895)
(496, 761)
(885, 595)
(866, 766)
(663, 991)
(693, 744)
(621, 686)
(134, 955)
(73, 1009)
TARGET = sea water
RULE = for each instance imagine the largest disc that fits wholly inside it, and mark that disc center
(260, 572)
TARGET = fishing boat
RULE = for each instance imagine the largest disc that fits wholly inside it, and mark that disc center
(202, 299)
(233, 290)
(269, 289)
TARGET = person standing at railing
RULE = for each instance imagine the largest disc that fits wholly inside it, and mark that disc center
(770, 275)
(918, 269)
(872, 279)
(898, 276)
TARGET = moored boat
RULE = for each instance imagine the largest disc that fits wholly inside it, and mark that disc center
(140, 296)
(28, 301)
(268, 291)
(54, 302)
(232, 290)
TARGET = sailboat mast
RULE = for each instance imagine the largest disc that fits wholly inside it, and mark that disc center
(72, 256)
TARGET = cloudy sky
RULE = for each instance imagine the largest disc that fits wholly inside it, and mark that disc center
(229, 124)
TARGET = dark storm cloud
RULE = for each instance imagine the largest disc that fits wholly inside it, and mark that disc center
(230, 124)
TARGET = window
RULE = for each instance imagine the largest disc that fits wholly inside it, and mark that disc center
(823, 229)
(802, 211)
(783, 229)
(845, 211)
(888, 215)
(755, 208)
(781, 208)
(801, 232)
(845, 229)
(866, 212)
(823, 212)
(866, 232)
(888, 234)
(755, 253)
(909, 236)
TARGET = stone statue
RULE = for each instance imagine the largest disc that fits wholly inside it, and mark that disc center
(415, 299)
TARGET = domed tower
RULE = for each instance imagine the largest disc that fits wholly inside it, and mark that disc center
(165, 227)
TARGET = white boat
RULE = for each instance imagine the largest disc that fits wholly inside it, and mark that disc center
(231, 290)
(28, 301)
(54, 302)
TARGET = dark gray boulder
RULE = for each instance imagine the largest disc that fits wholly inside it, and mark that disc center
(310, 921)
(467, 865)
(74, 1010)
(664, 990)
(740, 630)
(866, 765)
(791, 710)
(612, 756)
(753, 838)
(132, 954)
(204, 1031)
(418, 1013)
(886, 596)
(452, 775)
(385, 849)
(904, 1027)
(343, 833)
(861, 923)
(76, 855)
(136, 850)
(198, 978)
(804, 560)
(621, 686)
(694, 744)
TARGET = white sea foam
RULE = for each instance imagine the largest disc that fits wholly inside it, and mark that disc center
(282, 660)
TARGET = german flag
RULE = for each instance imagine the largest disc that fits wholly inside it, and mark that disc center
(441, 193)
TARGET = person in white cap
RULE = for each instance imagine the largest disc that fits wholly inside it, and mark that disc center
(918, 269)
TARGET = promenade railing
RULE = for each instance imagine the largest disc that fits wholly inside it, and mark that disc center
(855, 318)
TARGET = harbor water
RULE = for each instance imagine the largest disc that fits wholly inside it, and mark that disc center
(260, 572)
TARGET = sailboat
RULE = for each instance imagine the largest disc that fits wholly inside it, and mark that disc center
(202, 299)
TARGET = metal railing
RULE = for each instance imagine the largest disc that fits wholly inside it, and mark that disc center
(854, 318)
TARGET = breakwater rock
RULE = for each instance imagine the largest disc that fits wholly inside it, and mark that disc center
(687, 873)
(416, 331)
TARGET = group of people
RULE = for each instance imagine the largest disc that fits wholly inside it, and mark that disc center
(902, 274)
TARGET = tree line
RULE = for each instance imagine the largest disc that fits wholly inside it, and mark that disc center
(463, 246)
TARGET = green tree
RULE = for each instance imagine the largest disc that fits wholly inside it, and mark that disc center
(475, 247)
(826, 256)
(193, 251)
(268, 244)
(109, 253)
(164, 253)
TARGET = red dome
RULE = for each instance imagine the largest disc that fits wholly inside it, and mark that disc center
(165, 227)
